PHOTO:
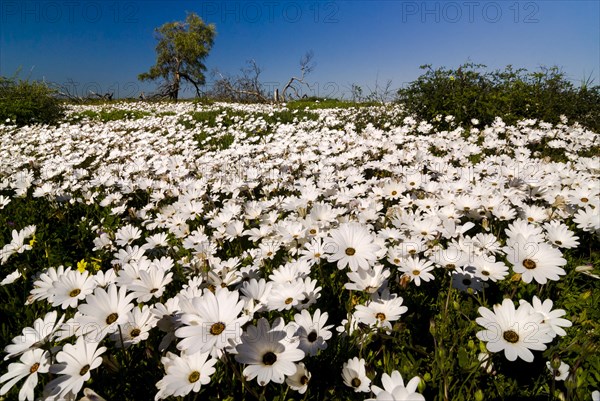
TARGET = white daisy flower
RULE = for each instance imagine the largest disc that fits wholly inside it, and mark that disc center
(351, 245)
(184, 374)
(216, 321)
(312, 331)
(355, 375)
(73, 366)
(394, 389)
(268, 353)
(31, 363)
(516, 332)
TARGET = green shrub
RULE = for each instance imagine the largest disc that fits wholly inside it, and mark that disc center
(111, 114)
(322, 103)
(28, 102)
(512, 94)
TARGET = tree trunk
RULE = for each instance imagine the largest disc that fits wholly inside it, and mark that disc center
(175, 86)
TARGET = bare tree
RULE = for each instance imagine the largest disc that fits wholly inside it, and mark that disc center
(243, 88)
(68, 91)
(306, 67)
(380, 94)
(106, 96)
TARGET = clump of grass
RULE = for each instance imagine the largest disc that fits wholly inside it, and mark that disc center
(314, 103)
(106, 115)
(25, 102)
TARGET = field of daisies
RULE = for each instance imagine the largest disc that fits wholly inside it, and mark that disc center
(261, 252)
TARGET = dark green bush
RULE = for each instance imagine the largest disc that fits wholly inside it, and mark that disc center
(512, 94)
(111, 114)
(28, 102)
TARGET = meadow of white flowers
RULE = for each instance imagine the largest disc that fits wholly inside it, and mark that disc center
(333, 257)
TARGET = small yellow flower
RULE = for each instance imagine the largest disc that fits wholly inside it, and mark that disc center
(81, 265)
(95, 264)
(32, 241)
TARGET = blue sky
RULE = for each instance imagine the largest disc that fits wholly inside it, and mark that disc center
(102, 45)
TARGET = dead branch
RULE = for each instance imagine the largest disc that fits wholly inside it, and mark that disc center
(246, 87)
(306, 67)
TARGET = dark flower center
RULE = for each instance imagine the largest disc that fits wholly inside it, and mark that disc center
(269, 358)
(110, 319)
(84, 370)
(135, 332)
(34, 367)
(217, 328)
(585, 200)
(312, 337)
(350, 251)
(304, 380)
(194, 376)
(557, 242)
(75, 292)
(152, 291)
(466, 281)
(380, 316)
(485, 273)
(394, 193)
(416, 272)
(529, 264)
(355, 382)
(510, 336)
(289, 300)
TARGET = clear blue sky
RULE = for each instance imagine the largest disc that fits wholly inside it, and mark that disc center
(103, 44)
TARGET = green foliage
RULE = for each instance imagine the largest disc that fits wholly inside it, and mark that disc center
(211, 119)
(27, 102)
(180, 53)
(470, 92)
(110, 114)
(321, 103)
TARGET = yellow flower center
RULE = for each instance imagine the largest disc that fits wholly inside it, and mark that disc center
(217, 328)
(84, 370)
(510, 336)
(110, 319)
(350, 251)
(34, 367)
(75, 292)
(194, 376)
